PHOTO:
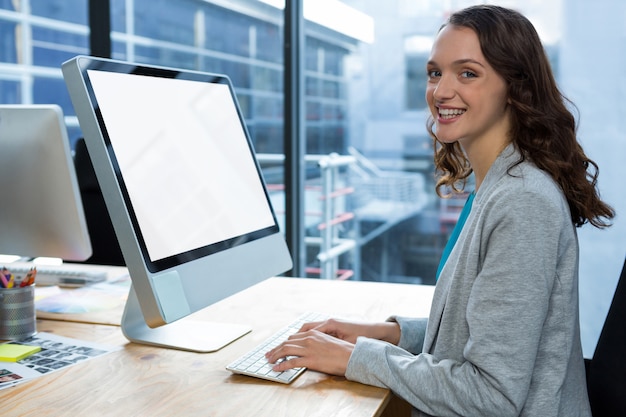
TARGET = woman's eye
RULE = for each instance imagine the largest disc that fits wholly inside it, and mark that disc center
(433, 73)
(468, 74)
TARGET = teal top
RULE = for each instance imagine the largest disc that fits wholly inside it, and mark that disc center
(455, 232)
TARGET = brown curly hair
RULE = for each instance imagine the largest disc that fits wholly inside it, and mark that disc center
(543, 129)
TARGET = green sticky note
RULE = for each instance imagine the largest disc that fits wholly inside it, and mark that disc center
(13, 352)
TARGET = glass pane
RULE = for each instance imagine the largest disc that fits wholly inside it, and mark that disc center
(8, 4)
(72, 11)
(9, 92)
(118, 16)
(52, 47)
(165, 20)
(52, 90)
(8, 43)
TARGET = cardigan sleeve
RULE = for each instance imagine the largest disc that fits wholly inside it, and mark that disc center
(412, 332)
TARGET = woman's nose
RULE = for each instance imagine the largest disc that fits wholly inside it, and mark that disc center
(444, 88)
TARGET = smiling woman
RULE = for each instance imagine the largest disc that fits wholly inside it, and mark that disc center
(503, 335)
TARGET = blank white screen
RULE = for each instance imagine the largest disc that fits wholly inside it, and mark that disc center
(184, 158)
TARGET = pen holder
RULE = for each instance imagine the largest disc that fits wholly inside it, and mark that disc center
(17, 313)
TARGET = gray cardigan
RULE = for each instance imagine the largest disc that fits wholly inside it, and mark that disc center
(503, 336)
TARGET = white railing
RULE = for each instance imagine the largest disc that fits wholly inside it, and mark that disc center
(352, 189)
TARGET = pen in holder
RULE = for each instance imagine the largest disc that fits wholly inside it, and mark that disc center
(17, 313)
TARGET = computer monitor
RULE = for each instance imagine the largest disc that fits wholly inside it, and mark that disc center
(41, 212)
(184, 190)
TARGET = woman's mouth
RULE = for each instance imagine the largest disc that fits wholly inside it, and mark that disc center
(450, 113)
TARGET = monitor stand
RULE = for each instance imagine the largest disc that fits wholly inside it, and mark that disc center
(183, 334)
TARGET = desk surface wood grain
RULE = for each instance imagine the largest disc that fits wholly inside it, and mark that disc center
(142, 380)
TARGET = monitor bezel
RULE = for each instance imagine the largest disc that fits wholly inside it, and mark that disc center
(159, 265)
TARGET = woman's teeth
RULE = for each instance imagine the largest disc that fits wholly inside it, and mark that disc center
(450, 113)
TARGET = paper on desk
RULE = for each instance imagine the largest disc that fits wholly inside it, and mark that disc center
(57, 352)
(42, 292)
(87, 299)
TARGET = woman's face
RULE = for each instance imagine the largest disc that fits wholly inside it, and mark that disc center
(466, 97)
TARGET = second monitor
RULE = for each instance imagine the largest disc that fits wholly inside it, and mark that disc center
(184, 190)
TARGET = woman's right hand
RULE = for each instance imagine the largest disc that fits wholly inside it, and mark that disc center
(326, 346)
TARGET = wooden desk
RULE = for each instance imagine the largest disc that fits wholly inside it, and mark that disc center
(148, 381)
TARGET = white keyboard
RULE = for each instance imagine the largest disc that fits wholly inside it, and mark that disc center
(253, 363)
(62, 275)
